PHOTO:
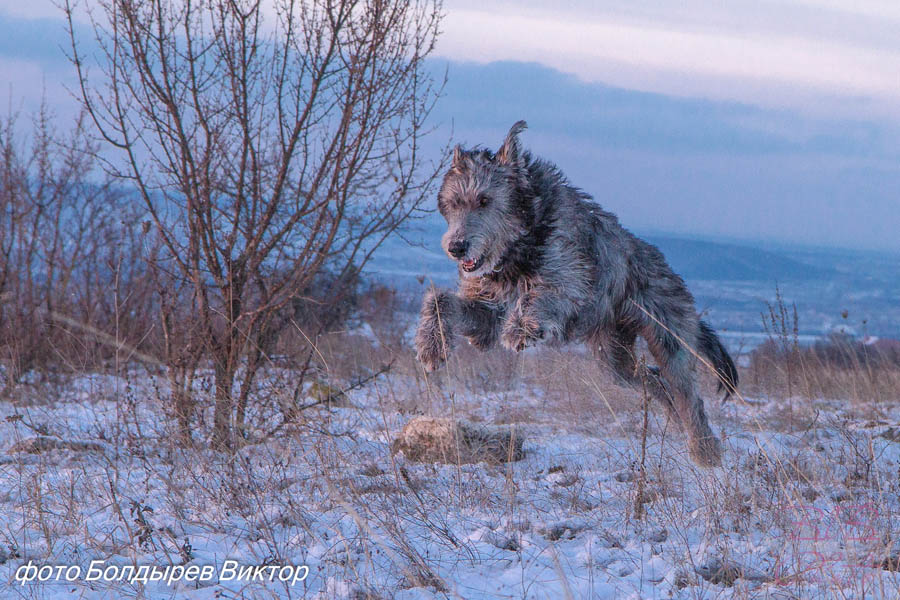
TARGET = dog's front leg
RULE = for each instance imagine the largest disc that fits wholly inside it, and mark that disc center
(539, 314)
(433, 335)
(444, 315)
(522, 327)
(480, 323)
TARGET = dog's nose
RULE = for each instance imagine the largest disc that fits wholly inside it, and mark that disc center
(458, 248)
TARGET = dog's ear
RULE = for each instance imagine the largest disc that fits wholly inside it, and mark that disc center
(510, 153)
(457, 156)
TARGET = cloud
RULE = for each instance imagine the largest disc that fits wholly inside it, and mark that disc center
(821, 56)
(496, 94)
(706, 51)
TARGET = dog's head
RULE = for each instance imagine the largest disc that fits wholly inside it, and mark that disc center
(479, 200)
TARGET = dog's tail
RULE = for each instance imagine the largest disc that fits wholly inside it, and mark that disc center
(711, 347)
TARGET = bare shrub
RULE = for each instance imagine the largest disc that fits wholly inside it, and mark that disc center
(69, 254)
(838, 367)
(263, 152)
(387, 311)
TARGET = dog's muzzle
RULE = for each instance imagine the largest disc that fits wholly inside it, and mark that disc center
(471, 264)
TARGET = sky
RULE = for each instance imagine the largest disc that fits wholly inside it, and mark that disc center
(759, 120)
(814, 54)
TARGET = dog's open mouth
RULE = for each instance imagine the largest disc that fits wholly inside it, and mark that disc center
(470, 264)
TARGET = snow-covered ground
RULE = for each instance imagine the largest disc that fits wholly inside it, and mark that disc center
(803, 507)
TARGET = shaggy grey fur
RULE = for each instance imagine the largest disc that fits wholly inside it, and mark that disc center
(539, 260)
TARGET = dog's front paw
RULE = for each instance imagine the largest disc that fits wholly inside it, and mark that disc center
(431, 344)
(431, 358)
(432, 334)
(521, 331)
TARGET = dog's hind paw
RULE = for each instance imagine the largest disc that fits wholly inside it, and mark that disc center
(706, 451)
(520, 332)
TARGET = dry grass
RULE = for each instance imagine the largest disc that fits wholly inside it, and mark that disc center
(581, 514)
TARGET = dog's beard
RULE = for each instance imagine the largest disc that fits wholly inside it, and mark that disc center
(484, 264)
(479, 269)
(490, 254)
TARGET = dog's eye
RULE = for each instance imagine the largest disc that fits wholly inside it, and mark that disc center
(483, 200)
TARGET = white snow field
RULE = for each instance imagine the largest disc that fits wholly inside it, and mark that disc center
(803, 507)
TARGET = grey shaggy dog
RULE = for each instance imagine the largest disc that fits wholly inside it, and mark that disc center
(540, 261)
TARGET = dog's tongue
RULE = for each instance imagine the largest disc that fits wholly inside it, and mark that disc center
(469, 263)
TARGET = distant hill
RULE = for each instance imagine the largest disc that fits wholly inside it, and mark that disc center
(699, 259)
(416, 252)
(690, 258)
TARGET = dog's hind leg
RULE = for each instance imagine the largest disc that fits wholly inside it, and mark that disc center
(619, 352)
(676, 365)
(671, 383)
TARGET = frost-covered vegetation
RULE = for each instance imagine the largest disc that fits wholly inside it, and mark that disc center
(602, 504)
